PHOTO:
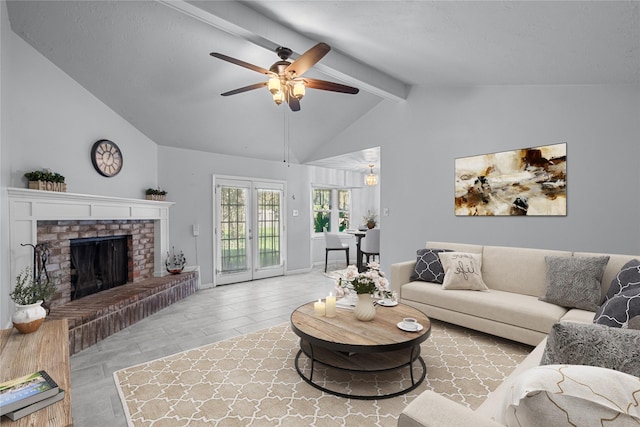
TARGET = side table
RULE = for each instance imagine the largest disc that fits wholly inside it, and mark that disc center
(46, 349)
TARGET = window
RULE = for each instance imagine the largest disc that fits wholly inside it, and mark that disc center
(331, 209)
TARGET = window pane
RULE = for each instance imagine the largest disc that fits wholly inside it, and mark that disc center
(344, 197)
(321, 220)
(268, 228)
(321, 210)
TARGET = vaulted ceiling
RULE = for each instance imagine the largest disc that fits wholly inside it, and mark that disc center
(149, 60)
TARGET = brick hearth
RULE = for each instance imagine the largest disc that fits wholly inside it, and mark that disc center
(95, 317)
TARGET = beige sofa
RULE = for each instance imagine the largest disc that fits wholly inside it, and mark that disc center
(516, 277)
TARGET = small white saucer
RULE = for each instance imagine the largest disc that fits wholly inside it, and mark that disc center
(386, 303)
(420, 327)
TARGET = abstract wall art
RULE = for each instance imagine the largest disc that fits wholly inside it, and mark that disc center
(524, 182)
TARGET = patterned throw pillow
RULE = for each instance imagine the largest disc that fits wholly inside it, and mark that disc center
(628, 277)
(572, 395)
(574, 282)
(593, 345)
(620, 309)
(462, 271)
(428, 266)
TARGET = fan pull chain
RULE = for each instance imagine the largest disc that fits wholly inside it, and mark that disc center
(286, 149)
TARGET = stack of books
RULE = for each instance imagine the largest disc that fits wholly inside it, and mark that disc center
(24, 395)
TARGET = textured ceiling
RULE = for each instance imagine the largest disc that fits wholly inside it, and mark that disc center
(149, 60)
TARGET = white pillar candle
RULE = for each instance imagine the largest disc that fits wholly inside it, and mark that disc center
(330, 307)
(319, 308)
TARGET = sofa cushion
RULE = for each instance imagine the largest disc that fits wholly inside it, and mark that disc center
(628, 277)
(509, 308)
(619, 309)
(462, 270)
(572, 395)
(520, 270)
(593, 345)
(575, 281)
(428, 266)
(615, 264)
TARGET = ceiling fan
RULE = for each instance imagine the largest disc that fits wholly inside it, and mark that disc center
(285, 77)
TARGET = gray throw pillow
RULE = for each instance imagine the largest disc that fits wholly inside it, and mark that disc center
(628, 277)
(618, 310)
(428, 266)
(593, 345)
(574, 282)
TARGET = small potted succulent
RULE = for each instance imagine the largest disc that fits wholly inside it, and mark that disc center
(155, 194)
(47, 180)
(28, 295)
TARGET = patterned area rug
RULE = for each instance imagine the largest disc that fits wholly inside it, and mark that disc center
(251, 380)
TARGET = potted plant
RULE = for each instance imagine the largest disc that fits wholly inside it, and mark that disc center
(47, 180)
(29, 294)
(371, 219)
(175, 261)
(155, 194)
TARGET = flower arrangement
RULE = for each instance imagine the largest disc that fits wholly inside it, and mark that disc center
(29, 290)
(371, 281)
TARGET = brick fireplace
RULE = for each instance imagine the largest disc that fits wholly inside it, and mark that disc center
(57, 218)
(57, 234)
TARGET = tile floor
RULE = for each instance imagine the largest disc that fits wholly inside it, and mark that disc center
(207, 316)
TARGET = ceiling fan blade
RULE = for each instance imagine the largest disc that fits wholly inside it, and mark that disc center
(294, 103)
(241, 63)
(333, 87)
(308, 59)
(245, 89)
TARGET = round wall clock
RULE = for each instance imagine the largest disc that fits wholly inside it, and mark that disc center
(106, 158)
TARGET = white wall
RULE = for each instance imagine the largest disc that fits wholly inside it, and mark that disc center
(48, 120)
(187, 176)
(420, 139)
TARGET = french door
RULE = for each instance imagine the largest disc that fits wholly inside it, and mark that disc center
(249, 230)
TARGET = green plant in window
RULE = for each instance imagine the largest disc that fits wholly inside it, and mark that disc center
(320, 222)
(343, 221)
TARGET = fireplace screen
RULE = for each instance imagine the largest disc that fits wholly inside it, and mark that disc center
(98, 264)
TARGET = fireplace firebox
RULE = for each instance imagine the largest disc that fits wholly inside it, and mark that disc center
(98, 263)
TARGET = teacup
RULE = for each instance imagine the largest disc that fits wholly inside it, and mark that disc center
(410, 323)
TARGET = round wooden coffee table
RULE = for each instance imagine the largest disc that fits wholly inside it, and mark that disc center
(347, 344)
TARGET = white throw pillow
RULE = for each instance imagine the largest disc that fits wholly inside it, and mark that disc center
(462, 271)
(572, 395)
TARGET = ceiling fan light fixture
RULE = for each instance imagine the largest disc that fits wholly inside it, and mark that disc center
(298, 90)
(278, 97)
(371, 179)
(274, 85)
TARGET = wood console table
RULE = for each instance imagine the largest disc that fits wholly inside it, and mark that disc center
(46, 349)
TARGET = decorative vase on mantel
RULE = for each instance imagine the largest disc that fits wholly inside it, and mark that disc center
(28, 318)
(364, 309)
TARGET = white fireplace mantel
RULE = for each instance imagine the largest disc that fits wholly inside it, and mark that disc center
(27, 207)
